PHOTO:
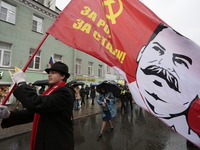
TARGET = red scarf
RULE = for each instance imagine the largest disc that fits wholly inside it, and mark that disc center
(37, 116)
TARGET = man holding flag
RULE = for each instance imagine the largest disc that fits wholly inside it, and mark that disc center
(51, 112)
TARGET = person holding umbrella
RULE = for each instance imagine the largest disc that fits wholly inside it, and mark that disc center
(106, 101)
(51, 112)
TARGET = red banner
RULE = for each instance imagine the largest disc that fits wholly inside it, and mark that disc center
(160, 66)
(108, 30)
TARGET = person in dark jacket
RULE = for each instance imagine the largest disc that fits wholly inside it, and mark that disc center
(129, 99)
(92, 94)
(50, 112)
(123, 100)
(82, 94)
(87, 90)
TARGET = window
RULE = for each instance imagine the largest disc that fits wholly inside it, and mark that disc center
(78, 66)
(35, 63)
(5, 54)
(37, 24)
(7, 12)
(90, 68)
(57, 58)
(100, 71)
(108, 69)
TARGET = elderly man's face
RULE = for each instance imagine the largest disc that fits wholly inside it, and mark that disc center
(166, 73)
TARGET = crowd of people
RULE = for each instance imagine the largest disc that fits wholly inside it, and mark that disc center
(85, 93)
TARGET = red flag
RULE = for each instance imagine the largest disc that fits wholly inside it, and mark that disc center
(85, 23)
(160, 66)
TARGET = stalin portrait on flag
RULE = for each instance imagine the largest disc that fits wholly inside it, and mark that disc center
(166, 79)
(160, 66)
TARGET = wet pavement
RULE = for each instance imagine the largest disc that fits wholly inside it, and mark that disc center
(136, 130)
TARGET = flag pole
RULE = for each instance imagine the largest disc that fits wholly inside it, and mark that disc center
(24, 69)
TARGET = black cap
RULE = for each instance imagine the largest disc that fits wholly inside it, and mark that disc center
(60, 67)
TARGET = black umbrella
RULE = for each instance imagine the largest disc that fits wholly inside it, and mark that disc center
(119, 85)
(115, 83)
(41, 82)
(74, 81)
(78, 83)
(110, 86)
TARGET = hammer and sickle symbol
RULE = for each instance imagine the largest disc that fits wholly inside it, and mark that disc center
(112, 16)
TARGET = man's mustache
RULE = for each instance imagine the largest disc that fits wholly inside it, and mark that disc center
(164, 74)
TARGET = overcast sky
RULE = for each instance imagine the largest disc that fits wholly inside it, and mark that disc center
(182, 15)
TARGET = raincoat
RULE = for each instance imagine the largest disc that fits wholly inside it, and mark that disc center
(110, 103)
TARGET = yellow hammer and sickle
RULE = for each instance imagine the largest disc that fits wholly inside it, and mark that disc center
(113, 16)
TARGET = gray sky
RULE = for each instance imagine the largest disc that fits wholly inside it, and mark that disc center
(182, 15)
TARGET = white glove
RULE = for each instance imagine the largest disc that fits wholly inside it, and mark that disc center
(19, 77)
(4, 112)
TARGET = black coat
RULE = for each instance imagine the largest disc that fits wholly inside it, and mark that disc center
(92, 92)
(55, 129)
(82, 92)
(87, 89)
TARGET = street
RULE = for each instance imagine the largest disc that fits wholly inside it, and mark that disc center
(137, 130)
